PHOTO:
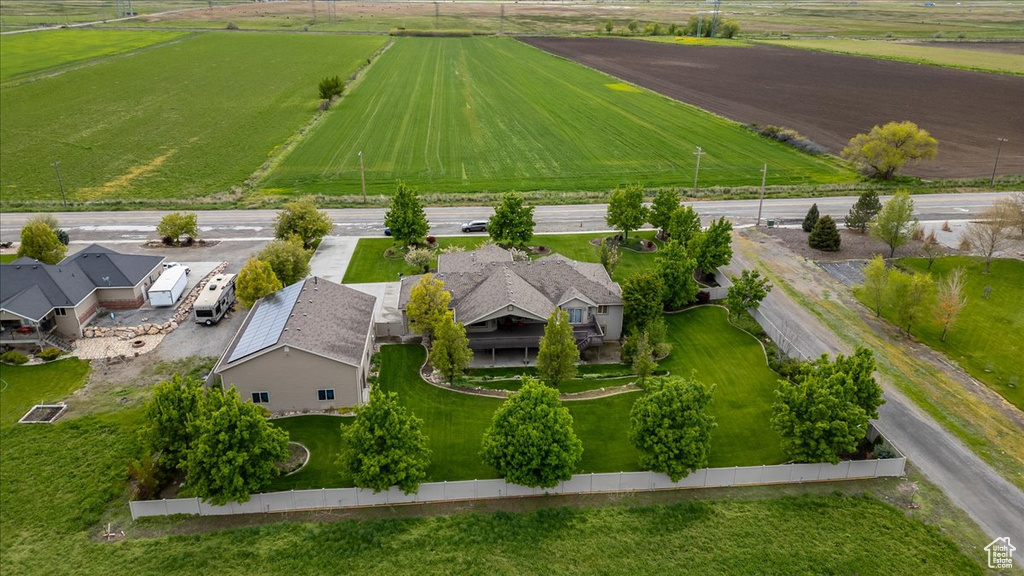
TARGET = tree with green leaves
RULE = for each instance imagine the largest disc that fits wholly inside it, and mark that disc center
(384, 446)
(895, 222)
(990, 233)
(287, 258)
(824, 412)
(254, 281)
(675, 266)
(449, 351)
(863, 211)
(641, 300)
(302, 218)
(876, 282)
(747, 291)
(428, 304)
(177, 224)
(885, 149)
(643, 356)
(512, 223)
(609, 25)
(712, 248)
(175, 404)
(684, 225)
(406, 217)
(235, 451)
(609, 256)
(51, 221)
(909, 296)
(330, 87)
(671, 426)
(951, 299)
(825, 236)
(420, 258)
(626, 210)
(39, 241)
(558, 355)
(811, 218)
(664, 205)
(530, 441)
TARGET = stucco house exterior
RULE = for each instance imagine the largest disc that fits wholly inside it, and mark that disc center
(505, 304)
(44, 304)
(304, 348)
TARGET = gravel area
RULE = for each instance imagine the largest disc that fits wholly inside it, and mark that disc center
(855, 246)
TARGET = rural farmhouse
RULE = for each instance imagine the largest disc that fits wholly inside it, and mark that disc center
(40, 304)
(505, 304)
(303, 348)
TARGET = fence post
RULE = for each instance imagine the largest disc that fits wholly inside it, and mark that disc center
(620, 481)
(199, 507)
(323, 497)
(167, 510)
(735, 470)
(591, 482)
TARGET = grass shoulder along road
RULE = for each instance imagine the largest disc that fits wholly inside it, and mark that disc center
(368, 263)
(950, 57)
(987, 339)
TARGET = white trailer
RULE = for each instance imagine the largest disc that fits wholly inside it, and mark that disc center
(168, 287)
(215, 300)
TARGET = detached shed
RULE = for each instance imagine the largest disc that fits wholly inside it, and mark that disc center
(305, 347)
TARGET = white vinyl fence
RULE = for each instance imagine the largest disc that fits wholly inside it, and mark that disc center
(334, 498)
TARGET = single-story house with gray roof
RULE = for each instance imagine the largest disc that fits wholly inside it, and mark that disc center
(303, 348)
(505, 304)
(39, 302)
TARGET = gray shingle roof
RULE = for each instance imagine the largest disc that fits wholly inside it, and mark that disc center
(456, 261)
(327, 319)
(31, 289)
(481, 287)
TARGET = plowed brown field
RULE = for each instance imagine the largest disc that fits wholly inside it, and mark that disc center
(827, 97)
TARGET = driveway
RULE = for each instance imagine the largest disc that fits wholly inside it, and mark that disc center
(332, 257)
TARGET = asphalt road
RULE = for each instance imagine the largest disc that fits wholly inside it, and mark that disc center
(991, 501)
(107, 226)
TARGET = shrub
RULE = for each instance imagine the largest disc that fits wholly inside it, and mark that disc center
(431, 240)
(231, 26)
(825, 235)
(178, 224)
(330, 87)
(703, 297)
(13, 357)
(49, 354)
(789, 137)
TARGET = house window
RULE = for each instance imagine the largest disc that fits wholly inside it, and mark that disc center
(327, 394)
(575, 315)
(60, 312)
(602, 309)
(261, 397)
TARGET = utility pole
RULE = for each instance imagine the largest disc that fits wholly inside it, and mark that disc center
(760, 204)
(714, 18)
(696, 171)
(437, 14)
(502, 19)
(992, 182)
(313, 2)
(700, 23)
(362, 175)
(60, 182)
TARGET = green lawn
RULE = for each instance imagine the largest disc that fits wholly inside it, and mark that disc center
(322, 436)
(24, 55)
(988, 338)
(491, 114)
(950, 56)
(8, 258)
(184, 120)
(26, 386)
(368, 263)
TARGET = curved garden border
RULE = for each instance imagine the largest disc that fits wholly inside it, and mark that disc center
(304, 462)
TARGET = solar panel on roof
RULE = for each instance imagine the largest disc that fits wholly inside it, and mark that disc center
(267, 324)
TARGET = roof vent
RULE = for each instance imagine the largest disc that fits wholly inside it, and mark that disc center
(213, 286)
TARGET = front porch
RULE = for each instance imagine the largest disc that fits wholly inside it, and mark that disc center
(25, 334)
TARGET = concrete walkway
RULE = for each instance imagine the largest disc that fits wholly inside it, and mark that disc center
(332, 257)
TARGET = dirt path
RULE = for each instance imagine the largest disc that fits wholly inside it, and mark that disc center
(974, 485)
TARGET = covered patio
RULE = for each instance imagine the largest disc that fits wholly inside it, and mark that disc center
(511, 335)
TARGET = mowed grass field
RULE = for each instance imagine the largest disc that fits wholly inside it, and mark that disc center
(987, 339)
(27, 55)
(25, 386)
(982, 60)
(185, 120)
(468, 114)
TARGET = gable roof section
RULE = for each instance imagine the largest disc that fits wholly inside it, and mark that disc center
(480, 288)
(31, 289)
(109, 269)
(314, 315)
(465, 261)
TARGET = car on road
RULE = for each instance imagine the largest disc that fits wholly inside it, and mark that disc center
(475, 226)
(387, 231)
(168, 265)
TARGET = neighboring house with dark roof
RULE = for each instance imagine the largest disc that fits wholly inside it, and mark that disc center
(303, 348)
(505, 304)
(38, 301)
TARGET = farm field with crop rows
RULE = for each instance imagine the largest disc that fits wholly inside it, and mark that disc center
(185, 120)
(469, 114)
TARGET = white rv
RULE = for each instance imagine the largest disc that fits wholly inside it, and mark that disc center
(168, 287)
(214, 300)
